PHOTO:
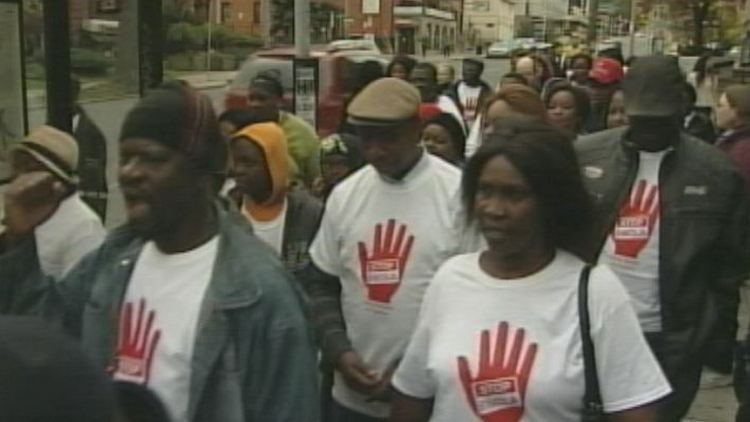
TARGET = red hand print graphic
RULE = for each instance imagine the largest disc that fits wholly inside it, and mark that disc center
(383, 268)
(136, 343)
(498, 392)
(636, 221)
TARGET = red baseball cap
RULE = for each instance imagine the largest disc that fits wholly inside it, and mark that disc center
(606, 71)
(428, 111)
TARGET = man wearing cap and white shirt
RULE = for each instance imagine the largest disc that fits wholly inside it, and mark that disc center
(74, 229)
(672, 223)
(385, 231)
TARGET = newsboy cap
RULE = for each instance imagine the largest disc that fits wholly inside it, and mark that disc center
(384, 102)
(55, 150)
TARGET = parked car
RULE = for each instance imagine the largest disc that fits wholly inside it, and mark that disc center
(500, 50)
(336, 72)
(354, 44)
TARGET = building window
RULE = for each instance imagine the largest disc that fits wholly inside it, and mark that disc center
(226, 11)
(108, 5)
(256, 12)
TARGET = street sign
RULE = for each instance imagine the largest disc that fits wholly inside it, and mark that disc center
(370, 7)
(306, 90)
(13, 120)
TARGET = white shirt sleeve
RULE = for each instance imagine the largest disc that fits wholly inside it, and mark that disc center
(66, 237)
(83, 240)
(325, 250)
(412, 377)
(473, 140)
(629, 374)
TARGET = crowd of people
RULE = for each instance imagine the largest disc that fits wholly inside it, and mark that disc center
(567, 245)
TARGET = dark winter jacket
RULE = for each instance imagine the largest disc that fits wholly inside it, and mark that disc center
(703, 232)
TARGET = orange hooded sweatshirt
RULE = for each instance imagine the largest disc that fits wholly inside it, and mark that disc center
(272, 141)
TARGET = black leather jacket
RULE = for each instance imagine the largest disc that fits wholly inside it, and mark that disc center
(703, 230)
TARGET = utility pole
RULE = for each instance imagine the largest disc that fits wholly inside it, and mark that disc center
(57, 56)
(302, 28)
(593, 22)
(209, 39)
(633, 14)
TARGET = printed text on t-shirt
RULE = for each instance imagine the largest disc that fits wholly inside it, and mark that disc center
(497, 392)
(137, 342)
(636, 220)
(382, 270)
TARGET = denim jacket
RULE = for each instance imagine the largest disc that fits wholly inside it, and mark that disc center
(253, 358)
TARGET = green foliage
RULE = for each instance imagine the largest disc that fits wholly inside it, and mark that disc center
(183, 36)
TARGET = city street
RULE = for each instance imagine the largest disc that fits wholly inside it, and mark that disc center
(714, 405)
(110, 114)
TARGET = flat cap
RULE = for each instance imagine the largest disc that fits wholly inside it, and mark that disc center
(384, 102)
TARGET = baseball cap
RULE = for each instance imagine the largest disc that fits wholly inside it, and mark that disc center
(384, 102)
(654, 87)
(606, 71)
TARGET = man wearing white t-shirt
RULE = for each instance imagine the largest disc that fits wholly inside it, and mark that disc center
(385, 231)
(73, 230)
(424, 77)
(183, 299)
(673, 225)
(470, 92)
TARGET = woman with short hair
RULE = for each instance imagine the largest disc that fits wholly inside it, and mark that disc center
(568, 107)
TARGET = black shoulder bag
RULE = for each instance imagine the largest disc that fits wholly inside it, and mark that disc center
(593, 411)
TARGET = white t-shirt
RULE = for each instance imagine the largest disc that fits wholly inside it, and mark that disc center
(159, 320)
(632, 249)
(469, 98)
(447, 105)
(474, 139)
(470, 321)
(270, 232)
(415, 221)
(68, 235)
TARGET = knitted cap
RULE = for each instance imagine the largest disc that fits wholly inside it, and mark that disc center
(182, 119)
(55, 150)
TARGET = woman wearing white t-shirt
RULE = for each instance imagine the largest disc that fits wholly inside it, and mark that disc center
(498, 336)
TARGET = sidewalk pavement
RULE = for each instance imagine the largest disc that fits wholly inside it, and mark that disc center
(714, 405)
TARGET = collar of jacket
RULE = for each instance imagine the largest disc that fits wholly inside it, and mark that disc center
(630, 149)
(734, 135)
(229, 287)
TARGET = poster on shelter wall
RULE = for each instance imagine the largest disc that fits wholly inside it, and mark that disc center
(12, 107)
(306, 90)
(370, 7)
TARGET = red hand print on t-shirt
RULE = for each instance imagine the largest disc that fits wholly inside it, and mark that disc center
(497, 393)
(136, 344)
(383, 269)
(636, 221)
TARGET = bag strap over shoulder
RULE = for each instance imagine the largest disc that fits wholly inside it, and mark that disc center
(592, 400)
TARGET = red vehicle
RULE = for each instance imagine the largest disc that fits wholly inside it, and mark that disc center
(336, 78)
